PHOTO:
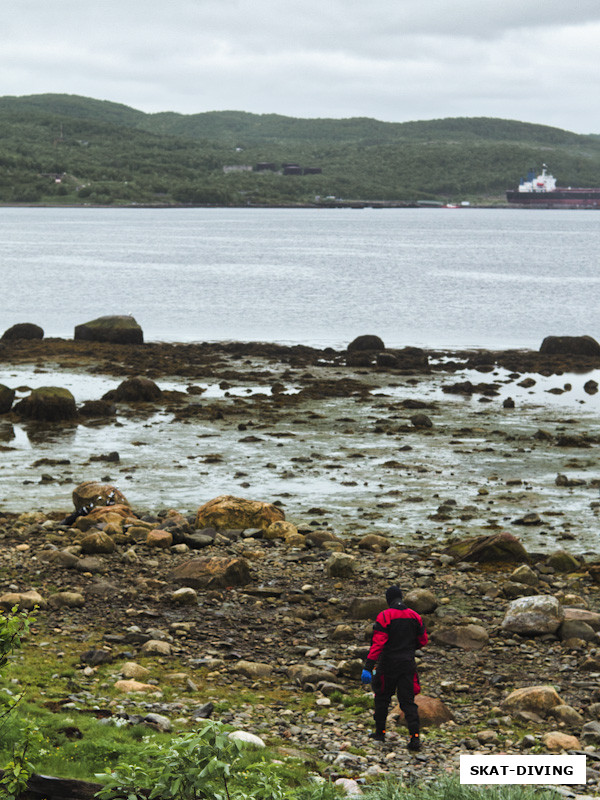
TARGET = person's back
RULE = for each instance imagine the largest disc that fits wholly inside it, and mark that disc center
(397, 633)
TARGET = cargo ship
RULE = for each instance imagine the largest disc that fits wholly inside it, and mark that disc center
(541, 191)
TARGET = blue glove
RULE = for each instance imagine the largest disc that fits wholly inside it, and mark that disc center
(366, 676)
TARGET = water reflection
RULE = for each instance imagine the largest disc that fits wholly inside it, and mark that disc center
(7, 432)
(47, 433)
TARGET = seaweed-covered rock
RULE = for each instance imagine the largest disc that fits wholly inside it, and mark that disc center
(366, 342)
(117, 329)
(23, 330)
(134, 390)
(48, 404)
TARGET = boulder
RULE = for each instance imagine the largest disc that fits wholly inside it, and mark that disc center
(304, 673)
(91, 494)
(503, 547)
(156, 647)
(97, 409)
(321, 538)
(570, 346)
(136, 671)
(341, 565)
(432, 711)
(23, 330)
(366, 342)
(247, 738)
(7, 397)
(590, 733)
(576, 629)
(592, 618)
(524, 574)
(210, 573)
(343, 633)
(118, 329)
(421, 600)
(562, 561)
(406, 358)
(131, 686)
(66, 600)
(280, 530)
(97, 542)
(111, 518)
(134, 390)
(253, 669)
(375, 543)
(534, 699)
(512, 589)
(25, 601)
(186, 596)
(367, 607)
(465, 637)
(421, 421)
(158, 721)
(47, 404)
(227, 512)
(567, 714)
(532, 616)
(160, 539)
(556, 742)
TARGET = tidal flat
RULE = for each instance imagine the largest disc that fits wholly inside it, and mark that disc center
(451, 444)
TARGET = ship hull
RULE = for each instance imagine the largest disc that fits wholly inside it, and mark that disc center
(559, 198)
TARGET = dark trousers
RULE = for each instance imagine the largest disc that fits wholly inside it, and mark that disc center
(398, 679)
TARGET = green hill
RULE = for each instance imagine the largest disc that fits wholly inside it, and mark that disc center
(70, 149)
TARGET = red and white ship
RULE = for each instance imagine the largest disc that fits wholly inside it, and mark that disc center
(541, 191)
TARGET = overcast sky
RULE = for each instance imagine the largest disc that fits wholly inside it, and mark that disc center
(395, 60)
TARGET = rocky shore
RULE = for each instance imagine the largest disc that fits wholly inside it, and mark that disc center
(170, 616)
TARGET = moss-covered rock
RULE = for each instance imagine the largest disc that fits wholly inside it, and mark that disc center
(117, 329)
(48, 404)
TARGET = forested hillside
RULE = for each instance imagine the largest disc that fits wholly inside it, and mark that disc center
(70, 149)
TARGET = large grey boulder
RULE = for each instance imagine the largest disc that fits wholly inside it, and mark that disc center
(531, 616)
(117, 329)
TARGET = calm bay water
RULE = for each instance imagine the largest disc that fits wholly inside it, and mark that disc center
(425, 277)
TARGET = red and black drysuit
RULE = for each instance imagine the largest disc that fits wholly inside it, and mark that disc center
(397, 633)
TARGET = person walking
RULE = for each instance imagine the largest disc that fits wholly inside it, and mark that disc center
(397, 633)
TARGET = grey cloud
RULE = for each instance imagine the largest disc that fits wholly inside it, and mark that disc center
(392, 59)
